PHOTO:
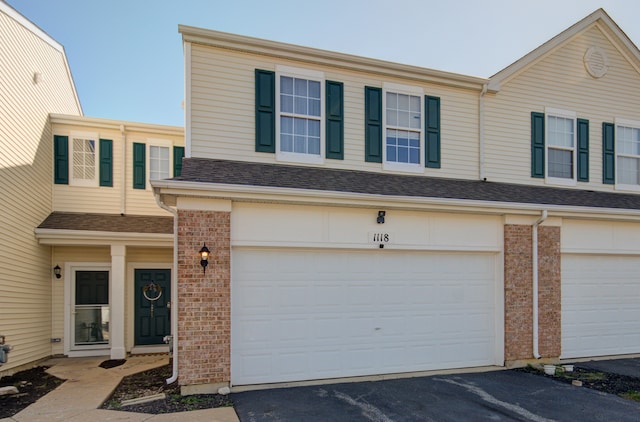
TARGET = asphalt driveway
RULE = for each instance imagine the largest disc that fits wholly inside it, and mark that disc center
(490, 396)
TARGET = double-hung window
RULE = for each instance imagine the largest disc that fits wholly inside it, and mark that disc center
(403, 128)
(300, 122)
(159, 162)
(561, 146)
(84, 158)
(628, 154)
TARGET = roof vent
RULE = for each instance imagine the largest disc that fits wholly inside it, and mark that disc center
(596, 62)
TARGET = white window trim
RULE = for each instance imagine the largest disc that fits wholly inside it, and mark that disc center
(84, 182)
(70, 349)
(409, 90)
(635, 124)
(315, 75)
(157, 142)
(567, 114)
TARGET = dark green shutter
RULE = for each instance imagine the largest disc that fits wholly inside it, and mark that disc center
(432, 132)
(178, 155)
(537, 144)
(106, 162)
(139, 163)
(265, 111)
(583, 150)
(335, 120)
(373, 124)
(61, 160)
(608, 154)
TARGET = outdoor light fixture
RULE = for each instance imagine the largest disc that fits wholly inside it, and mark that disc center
(57, 271)
(204, 257)
(381, 215)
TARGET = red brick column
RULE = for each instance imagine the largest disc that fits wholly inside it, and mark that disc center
(549, 292)
(518, 286)
(518, 276)
(204, 299)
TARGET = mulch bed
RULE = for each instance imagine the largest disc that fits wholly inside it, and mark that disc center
(32, 384)
(153, 382)
(601, 381)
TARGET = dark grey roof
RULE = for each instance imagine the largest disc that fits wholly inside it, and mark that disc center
(108, 223)
(324, 179)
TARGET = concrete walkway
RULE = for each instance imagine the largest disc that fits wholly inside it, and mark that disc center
(87, 386)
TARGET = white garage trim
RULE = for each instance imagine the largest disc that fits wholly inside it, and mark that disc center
(319, 314)
(600, 305)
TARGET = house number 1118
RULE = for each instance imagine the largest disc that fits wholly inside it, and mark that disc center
(380, 238)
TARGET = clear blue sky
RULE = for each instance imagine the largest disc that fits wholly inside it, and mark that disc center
(127, 57)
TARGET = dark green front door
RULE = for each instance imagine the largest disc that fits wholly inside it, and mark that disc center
(152, 310)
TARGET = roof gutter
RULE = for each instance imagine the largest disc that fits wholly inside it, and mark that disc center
(336, 198)
(481, 131)
(174, 286)
(535, 283)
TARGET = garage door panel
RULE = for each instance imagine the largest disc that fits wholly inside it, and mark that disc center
(339, 314)
(600, 305)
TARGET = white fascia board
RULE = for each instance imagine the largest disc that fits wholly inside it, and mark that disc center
(98, 238)
(100, 123)
(324, 57)
(34, 29)
(350, 199)
(594, 19)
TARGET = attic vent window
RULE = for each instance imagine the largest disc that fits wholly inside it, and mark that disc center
(596, 62)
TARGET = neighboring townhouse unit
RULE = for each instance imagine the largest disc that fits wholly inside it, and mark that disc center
(366, 217)
(87, 253)
(34, 81)
(111, 241)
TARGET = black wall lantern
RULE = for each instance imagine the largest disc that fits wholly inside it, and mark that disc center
(380, 218)
(57, 271)
(204, 257)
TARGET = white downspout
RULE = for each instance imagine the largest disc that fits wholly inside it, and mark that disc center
(174, 287)
(123, 175)
(540, 220)
(481, 131)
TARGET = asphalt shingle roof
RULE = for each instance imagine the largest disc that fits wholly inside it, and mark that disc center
(108, 223)
(324, 179)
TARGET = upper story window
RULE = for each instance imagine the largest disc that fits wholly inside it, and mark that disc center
(83, 167)
(156, 159)
(628, 153)
(300, 122)
(82, 159)
(403, 128)
(159, 162)
(561, 146)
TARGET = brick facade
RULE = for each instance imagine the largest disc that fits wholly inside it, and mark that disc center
(204, 307)
(518, 285)
(549, 292)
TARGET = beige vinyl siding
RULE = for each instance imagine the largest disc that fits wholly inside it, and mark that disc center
(559, 81)
(149, 255)
(222, 112)
(25, 184)
(110, 200)
(94, 199)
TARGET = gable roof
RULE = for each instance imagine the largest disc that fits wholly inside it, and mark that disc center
(34, 29)
(599, 17)
(313, 179)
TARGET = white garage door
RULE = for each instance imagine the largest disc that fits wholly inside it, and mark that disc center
(600, 305)
(316, 314)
